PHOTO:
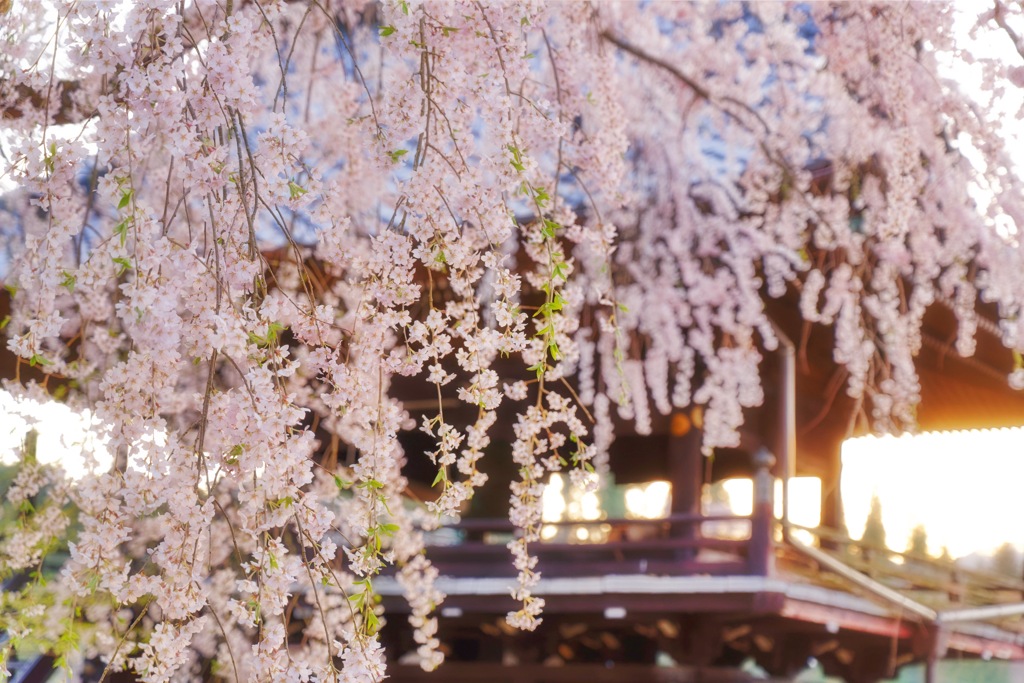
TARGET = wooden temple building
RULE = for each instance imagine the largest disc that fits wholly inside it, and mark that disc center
(663, 600)
(672, 600)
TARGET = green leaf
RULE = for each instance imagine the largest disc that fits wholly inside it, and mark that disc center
(50, 157)
(124, 264)
(269, 338)
(372, 622)
(5, 322)
(541, 196)
(397, 154)
(68, 281)
(233, 454)
(36, 359)
(549, 228)
(448, 30)
(405, 7)
(121, 229)
(125, 199)
(285, 502)
(295, 190)
(441, 476)
(386, 31)
(517, 158)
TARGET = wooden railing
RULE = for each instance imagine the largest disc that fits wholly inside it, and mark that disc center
(935, 582)
(675, 545)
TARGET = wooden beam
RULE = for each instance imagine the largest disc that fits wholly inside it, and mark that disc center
(835, 618)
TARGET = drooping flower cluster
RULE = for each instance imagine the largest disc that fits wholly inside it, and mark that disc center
(249, 231)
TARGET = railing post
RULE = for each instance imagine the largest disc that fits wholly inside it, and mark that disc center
(762, 559)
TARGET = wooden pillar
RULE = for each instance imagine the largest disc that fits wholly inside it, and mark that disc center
(762, 519)
(832, 500)
(785, 419)
(831, 494)
(936, 651)
(686, 472)
(930, 644)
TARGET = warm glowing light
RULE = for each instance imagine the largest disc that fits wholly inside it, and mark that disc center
(804, 499)
(648, 501)
(64, 437)
(588, 507)
(741, 495)
(964, 487)
(552, 501)
(562, 501)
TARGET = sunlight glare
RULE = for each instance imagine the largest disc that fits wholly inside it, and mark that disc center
(648, 501)
(964, 487)
(65, 438)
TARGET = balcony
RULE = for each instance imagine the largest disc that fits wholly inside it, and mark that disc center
(710, 587)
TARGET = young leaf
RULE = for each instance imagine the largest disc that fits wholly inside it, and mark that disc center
(441, 476)
(68, 280)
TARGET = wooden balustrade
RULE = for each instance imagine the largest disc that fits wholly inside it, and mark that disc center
(927, 579)
(674, 545)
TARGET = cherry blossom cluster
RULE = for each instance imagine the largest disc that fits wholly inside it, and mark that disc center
(245, 229)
